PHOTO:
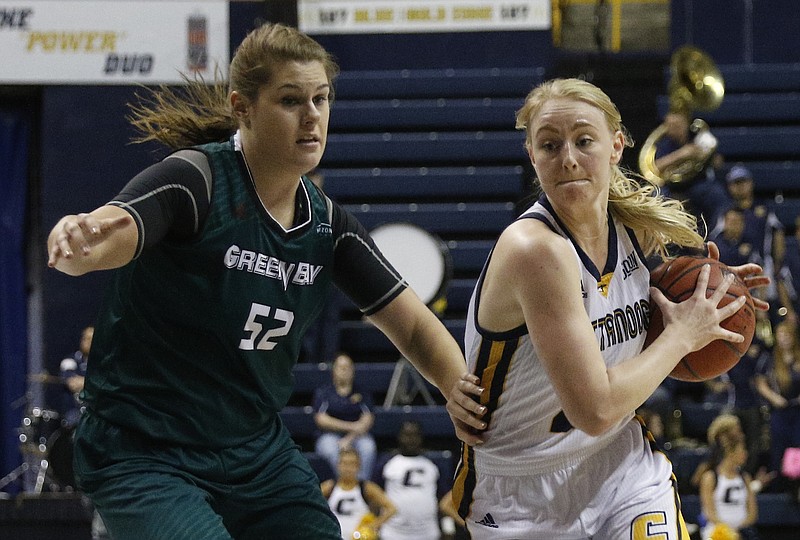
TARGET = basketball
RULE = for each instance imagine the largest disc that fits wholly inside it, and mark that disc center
(677, 279)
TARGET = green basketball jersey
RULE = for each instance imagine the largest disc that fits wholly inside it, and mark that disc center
(197, 339)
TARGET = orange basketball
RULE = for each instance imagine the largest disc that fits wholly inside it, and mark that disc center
(677, 279)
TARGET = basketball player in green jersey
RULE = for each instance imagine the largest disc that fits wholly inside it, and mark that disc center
(223, 254)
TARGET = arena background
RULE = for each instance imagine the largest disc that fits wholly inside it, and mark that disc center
(65, 148)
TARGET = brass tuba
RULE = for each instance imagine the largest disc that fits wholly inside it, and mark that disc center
(695, 85)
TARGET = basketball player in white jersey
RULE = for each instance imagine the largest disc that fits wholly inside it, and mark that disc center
(351, 499)
(555, 332)
(411, 481)
(726, 497)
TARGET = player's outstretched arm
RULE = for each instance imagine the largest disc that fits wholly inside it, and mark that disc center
(422, 338)
(102, 239)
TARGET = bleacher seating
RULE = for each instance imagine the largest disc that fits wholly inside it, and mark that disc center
(434, 419)
(417, 184)
(774, 509)
(685, 461)
(437, 83)
(696, 417)
(757, 123)
(436, 148)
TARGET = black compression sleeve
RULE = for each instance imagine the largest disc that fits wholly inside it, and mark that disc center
(169, 199)
(360, 269)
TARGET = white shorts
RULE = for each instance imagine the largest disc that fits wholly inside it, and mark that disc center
(624, 491)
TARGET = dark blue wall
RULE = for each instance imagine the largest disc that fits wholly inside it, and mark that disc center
(739, 31)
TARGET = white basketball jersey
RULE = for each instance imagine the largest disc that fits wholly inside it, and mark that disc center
(730, 500)
(410, 483)
(349, 507)
(528, 432)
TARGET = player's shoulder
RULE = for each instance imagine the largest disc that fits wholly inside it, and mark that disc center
(529, 240)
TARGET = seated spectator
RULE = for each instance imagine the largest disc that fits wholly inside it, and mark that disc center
(735, 391)
(789, 275)
(722, 430)
(778, 381)
(734, 248)
(726, 496)
(358, 505)
(762, 228)
(411, 481)
(344, 418)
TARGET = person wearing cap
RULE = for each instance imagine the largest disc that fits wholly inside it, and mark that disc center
(762, 228)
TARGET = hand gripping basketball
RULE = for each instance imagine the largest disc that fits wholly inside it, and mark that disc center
(677, 280)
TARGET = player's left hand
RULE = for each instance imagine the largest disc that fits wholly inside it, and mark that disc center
(751, 274)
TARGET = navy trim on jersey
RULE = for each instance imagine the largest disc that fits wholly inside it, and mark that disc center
(613, 255)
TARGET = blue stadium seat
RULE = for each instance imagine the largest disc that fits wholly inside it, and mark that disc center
(773, 509)
(320, 466)
(440, 114)
(684, 464)
(424, 148)
(773, 142)
(696, 417)
(434, 420)
(422, 183)
(362, 338)
(459, 293)
(469, 255)
(485, 218)
(370, 377)
(435, 83)
(749, 108)
(772, 176)
(761, 77)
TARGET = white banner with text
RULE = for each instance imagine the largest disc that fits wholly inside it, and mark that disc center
(112, 41)
(401, 16)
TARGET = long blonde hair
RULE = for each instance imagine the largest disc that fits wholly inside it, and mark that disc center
(199, 112)
(658, 221)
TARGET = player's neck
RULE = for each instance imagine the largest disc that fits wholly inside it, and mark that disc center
(347, 483)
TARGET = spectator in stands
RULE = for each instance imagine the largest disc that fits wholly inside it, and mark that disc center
(762, 228)
(736, 392)
(344, 418)
(726, 496)
(412, 482)
(734, 249)
(359, 505)
(778, 382)
(73, 373)
(221, 255)
(564, 456)
(701, 188)
(789, 275)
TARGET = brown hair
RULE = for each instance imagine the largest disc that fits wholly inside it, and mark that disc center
(657, 220)
(199, 112)
(783, 360)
